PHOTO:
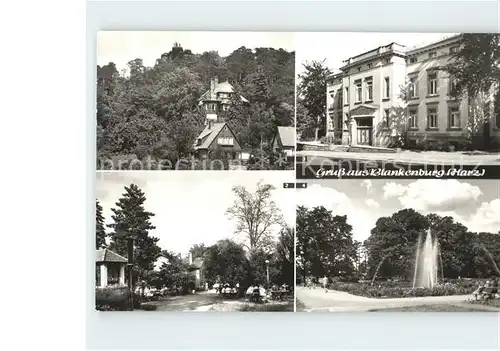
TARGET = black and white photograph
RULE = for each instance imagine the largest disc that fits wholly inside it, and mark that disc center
(421, 245)
(195, 100)
(408, 99)
(194, 241)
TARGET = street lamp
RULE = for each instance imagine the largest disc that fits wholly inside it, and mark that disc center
(267, 270)
(130, 265)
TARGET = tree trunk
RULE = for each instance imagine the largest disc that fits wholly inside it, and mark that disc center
(316, 130)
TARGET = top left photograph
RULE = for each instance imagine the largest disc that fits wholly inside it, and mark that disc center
(195, 101)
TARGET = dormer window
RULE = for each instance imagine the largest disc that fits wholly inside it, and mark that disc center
(432, 54)
(413, 59)
(198, 142)
(370, 65)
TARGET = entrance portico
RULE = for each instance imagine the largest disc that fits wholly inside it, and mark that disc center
(362, 118)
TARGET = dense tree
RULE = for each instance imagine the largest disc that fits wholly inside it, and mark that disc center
(198, 250)
(226, 262)
(475, 70)
(311, 91)
(306, 126)
(100, 232)
(393, 242)
(131, 220)
(256, 214)
(154, 111)
(324, 243)
(284, 259)
(174, 273)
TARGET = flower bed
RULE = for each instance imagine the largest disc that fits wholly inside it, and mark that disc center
(405, 289)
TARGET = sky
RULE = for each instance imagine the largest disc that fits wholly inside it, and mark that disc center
(336, 47)
(474, 203)
(121, 47)
(190, 207)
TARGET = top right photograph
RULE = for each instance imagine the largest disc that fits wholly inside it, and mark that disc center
(398, 105)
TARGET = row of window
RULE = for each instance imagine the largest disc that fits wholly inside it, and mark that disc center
(359, 97)
(413, 89)
(432, 86)
(370, 65)
(433, 54)
(432, 119)
(213, 107)
(225, 141)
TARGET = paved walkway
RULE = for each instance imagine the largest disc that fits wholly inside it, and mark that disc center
(405, 156)
(201, 301)
(338, 301)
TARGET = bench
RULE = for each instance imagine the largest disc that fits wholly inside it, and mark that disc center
(486, 293)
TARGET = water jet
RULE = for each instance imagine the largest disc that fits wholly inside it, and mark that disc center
(426, 262)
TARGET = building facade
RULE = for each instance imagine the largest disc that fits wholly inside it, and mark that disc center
(110, 268)
(391, 96)
(284, 141)
(217, 136)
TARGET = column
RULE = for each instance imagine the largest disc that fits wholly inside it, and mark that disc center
(122, 274)
(104, 275)
(354, 131)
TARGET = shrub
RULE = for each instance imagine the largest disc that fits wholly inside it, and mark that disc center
(349, 279)
(391, 289)
(462, 145)
(115, 296)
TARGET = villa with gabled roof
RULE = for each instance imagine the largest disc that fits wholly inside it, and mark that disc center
(217, 135)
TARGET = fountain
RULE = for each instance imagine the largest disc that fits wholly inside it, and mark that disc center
(426, 263)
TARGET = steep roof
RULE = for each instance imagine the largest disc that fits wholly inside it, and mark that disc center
(287, 136)
(208, 135)
(106, 255)
(224, 87)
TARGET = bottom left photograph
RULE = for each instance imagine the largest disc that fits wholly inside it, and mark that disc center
(194, 241)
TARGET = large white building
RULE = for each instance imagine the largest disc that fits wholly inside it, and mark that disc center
(392, 93)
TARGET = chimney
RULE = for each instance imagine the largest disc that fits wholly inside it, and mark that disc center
(190, 258)
(216, 80)
(209, 124)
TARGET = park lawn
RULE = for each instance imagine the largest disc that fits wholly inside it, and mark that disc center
(431, 308)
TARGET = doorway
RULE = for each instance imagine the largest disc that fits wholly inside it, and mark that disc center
(364, 131)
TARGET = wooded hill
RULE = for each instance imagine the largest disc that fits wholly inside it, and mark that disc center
(154, 111)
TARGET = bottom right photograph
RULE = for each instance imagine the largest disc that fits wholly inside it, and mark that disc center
(398, 246)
